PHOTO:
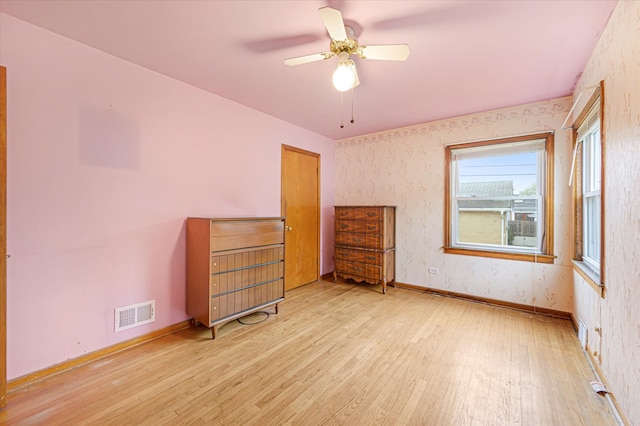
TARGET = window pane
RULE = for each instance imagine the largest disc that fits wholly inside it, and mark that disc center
(591, 195)
(489, 176)
(496, 195)
(592, 229)
(523, 228)
(513, 225)
(592, 160)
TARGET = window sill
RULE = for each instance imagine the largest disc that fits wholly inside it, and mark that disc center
(592, 278)
(526, 257)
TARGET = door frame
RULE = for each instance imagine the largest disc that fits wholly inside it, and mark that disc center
(319, 210)
(3, 236)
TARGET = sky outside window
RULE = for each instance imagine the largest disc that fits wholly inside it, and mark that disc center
(519, 168)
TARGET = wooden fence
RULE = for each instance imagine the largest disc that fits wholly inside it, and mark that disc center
(522, 228)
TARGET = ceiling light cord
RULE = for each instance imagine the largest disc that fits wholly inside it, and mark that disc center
(352, 120)
(342, 110)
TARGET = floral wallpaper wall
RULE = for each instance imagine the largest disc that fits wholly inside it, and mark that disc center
(616, 60)
(405, 168)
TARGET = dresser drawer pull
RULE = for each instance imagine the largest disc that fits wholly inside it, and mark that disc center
(344, 213)
(371, 214)
(357, 269)
(372, 227)
(343, 226)
(356, 240)
(371, 258)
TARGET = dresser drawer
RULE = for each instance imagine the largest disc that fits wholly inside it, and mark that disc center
(373, 258)
(360, 256)
(372, 227)
(243, 278)
(231, 234)
(371, 241)
(353, 213)
(358, 226)
(230, 304)
(238, 259)
(350, 255)
(373, 214)
(351, 268)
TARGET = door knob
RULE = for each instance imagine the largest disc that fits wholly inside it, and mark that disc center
(288, 228)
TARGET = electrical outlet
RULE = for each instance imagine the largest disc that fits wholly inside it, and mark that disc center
(433, 270)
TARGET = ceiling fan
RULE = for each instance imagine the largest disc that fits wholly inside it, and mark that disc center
(343, 45)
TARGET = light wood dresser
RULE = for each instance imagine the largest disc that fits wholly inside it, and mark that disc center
(365, 244)
(234, 267)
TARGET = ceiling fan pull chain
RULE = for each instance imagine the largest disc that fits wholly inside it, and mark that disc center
(342, 110)
(352, 120)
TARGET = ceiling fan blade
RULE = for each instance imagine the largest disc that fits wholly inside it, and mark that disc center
(332, 19)
(306, 59)
(389, 52)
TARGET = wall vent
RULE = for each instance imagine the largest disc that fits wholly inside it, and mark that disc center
(582, 333)
(131, 316)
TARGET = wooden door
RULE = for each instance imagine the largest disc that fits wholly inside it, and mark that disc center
(301, 206)
(3, 236)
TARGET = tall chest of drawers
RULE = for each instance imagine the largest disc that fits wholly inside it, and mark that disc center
(365, 244)
(234, 267)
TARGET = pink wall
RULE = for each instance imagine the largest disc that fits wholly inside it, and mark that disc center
(105, 161)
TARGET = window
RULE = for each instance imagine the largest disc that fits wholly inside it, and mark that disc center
(591, 180)
(588, 188)
(500, 198)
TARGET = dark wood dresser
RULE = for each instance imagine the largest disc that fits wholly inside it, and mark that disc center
(365, 244)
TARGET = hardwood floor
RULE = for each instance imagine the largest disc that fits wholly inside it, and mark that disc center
(336, 354)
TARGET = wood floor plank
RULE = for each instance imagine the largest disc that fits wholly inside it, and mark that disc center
(336, 354)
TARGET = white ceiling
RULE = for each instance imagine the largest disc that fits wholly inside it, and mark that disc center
(466, 56)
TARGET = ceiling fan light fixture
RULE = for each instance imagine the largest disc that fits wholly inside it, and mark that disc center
(344, 77)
